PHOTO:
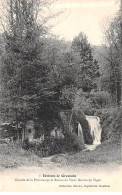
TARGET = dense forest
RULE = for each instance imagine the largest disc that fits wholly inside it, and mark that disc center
(51, 81)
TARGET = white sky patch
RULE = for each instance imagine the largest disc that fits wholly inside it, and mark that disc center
(84, 15)
(81, 15)
(78, 5)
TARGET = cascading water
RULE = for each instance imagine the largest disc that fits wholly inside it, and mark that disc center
(95, 130)
(95, 127)
(80, 132)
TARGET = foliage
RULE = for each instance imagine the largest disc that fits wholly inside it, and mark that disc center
(111, 75)
(26, 70)
(99, 99)
(41, 74)
(13, 156)
(67, 98)
(88, 69)
(111, 124)
(113, 36)
(72, 142)
(52, 145)
(21, 60)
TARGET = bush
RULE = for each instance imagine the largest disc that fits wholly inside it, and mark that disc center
(90, 102)
(111, 124)
(87, 107)
(72, 142)
(99, 99)
(52, 145)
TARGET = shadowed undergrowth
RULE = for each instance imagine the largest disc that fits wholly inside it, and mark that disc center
(12, 156)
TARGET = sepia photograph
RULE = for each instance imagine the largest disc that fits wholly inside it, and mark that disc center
(60, 95)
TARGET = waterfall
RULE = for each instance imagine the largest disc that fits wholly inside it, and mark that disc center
(80, 133)
(95, 130)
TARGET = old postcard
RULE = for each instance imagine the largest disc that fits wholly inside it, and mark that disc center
(60, 95)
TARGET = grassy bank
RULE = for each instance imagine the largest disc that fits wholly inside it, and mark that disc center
(12, 156)
(104, 154)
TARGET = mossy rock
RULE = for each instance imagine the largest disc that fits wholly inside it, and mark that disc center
(79, 117)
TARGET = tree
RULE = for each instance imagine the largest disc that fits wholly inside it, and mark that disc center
(25, 69)
(113, 40)
(87, 69)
